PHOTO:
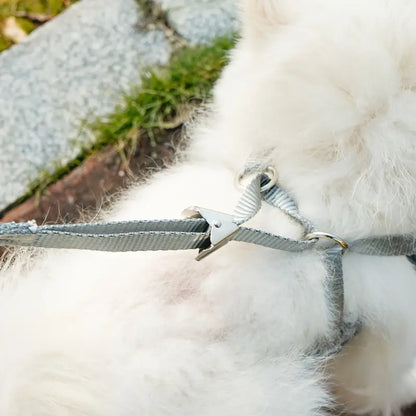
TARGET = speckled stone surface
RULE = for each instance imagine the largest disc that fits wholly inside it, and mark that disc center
(70, 70)
(200, 21)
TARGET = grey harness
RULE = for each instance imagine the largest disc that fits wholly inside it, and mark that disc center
(208, 230)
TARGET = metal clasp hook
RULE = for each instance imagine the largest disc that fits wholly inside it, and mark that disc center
(222, 227)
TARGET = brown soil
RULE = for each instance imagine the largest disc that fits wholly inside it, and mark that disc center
(91, 186)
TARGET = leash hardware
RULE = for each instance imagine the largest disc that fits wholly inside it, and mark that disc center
(317, 235)
(221, 228)
(269, 178)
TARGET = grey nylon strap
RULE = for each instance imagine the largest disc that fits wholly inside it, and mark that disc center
(343, 329)
(394, 245)
(135, 236)
(113, 236)
(180, 234)
(278, 198)
(335, 287)
(250, 202)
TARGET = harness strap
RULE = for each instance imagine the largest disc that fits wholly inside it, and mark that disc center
(211, 230)
(344, 329)
(278, 198)
(394, 245)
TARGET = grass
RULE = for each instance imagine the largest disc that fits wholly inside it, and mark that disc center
(15, 8)
(51, 7)
(163, 97)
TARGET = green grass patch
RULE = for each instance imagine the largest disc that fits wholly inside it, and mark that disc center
(51, 7)
(165, 95)
(4, 43)
(26, 24)
(30, 14)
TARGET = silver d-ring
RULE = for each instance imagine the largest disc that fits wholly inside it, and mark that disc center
(316, 235)
(271, 173)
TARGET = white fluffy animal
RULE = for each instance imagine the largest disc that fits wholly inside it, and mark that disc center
(327, 88)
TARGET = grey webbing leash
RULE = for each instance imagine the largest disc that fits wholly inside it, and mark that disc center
(111, 236)
(182, 234)
(185, 234)
(209, 230)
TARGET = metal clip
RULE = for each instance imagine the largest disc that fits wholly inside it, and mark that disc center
(221, 228)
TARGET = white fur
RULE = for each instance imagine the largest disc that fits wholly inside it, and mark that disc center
(325, 88)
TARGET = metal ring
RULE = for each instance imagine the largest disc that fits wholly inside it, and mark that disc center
(270, 172)
(316, 235)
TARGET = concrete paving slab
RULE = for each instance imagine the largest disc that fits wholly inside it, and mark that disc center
(201, 21)
(70, 70)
